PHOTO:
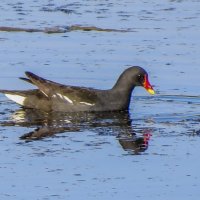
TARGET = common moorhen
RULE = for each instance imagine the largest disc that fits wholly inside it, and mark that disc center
(52, 96)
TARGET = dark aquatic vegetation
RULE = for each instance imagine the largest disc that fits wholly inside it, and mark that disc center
(59, 29)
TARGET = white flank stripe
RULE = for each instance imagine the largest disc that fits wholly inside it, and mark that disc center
(89, 104)
(59, 95)
(44, 93)
(69, 100)
(64, 98)
(16, 98)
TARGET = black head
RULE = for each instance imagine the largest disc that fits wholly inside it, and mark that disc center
(135, 76)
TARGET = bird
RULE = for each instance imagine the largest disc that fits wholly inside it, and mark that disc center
(51, 96)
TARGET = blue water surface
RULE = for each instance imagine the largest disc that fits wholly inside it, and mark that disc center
(103, 156)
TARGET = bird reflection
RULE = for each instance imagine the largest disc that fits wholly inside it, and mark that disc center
(134, 143)
(117, 124)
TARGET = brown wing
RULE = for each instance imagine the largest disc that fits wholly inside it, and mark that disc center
(68, 94)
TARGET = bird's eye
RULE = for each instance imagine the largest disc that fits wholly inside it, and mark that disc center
(140, 78)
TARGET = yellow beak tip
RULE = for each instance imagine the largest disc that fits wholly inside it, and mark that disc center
(151, 91)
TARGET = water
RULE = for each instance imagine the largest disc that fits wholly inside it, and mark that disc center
(150, 152)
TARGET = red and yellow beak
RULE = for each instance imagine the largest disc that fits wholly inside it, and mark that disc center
(147, 85)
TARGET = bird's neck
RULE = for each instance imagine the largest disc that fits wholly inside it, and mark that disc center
(124, 85)
(122, 91)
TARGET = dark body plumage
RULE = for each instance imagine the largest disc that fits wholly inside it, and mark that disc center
(52, 96)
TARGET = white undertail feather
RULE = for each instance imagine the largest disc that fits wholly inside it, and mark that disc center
(16, 98)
